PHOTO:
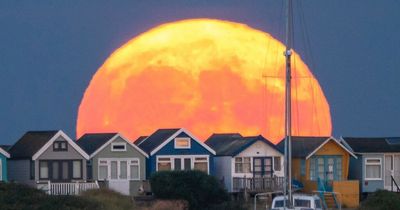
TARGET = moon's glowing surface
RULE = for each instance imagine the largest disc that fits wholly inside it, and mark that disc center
(208, 76)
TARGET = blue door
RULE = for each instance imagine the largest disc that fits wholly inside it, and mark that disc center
(326, 168)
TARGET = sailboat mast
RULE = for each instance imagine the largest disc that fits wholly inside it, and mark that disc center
(288, 104)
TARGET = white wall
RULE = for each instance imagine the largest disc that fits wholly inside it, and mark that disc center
(258, 149)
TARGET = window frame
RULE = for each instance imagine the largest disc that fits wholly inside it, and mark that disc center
(176, 146)
(59, 146)
(182, 159)
(242, 162)
(118, 160)
(373, 164)
(118, 144)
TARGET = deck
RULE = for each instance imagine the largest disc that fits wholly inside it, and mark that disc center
(258, 184)
(66, 188)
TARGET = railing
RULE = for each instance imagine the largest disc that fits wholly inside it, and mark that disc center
(68, 188)
(335, 195)
(258, 184)
(393, 181)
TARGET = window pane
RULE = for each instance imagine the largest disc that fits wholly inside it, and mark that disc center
(55, 170)
(373, 171)
(134, 171)
(103, 172)
(312, 169)
(277, 163)
(65, 174)
(76, 169)
(114, 170)
(164, 166)
(376, 161)
(123, 170)
(188, 164)
(201, 166)
(63, 145)
(302, 203)
(177, 163)
(44, 170)
(182, 142)
(238, 168)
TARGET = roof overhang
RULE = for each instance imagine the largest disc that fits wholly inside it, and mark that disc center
(325, 142)
(5, 153)
(69, 140)
(112, 139)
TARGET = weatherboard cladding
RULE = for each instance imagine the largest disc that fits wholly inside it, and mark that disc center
(233, 144)
(373, 145)
(157, 138)
(302, 146)
(30, 143)
(92, 141)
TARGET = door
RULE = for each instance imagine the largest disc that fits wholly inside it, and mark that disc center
(60, 170)
(119, 176)
(262, 166)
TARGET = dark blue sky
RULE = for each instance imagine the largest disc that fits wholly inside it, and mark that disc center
(49, 51)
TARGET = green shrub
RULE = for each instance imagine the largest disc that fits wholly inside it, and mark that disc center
(199, 189)
(381, 200)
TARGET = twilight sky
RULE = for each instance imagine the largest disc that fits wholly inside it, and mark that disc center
(49, 51)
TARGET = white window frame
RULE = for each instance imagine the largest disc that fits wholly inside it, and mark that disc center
(242, 158)
(182, 147)
(118, 144)
(183, 157)
(128, 172)
(374, 164)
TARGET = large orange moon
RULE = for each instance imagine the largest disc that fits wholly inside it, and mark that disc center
(208, 76)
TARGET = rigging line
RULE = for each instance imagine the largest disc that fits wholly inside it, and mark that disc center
(315, 111)
(294, 75)
(306, 36)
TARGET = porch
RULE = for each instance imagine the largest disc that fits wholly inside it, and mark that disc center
(257, 184)
(66, 188)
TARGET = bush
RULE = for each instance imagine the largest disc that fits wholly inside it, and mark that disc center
(200, 190)
(381, 200)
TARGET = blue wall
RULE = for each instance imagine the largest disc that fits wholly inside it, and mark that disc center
(168, 149)
(371, 185)
(4, 167)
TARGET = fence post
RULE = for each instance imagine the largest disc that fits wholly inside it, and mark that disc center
(49, 187)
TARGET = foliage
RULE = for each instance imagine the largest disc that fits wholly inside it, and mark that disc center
(381, 200)
(199, 189)
(23, 197)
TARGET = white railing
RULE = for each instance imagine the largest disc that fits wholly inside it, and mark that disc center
(68, 188)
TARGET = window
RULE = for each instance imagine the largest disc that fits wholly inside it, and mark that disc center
(312, 169)
(103, 170)
(76, 169)
(182, 143)
(373, 169)
(242, 165)
(201, 164)
(60, 146)
(43, 170)
(164, 164)
(302, 167)
(277, 163)
(302, 203)
(118, 147)
(134, 169)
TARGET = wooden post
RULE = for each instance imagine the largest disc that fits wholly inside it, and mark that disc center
(49, 187)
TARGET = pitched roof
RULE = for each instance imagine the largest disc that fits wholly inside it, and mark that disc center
(90, 142)
(140, 140)
(302, 146)
(30, 143)
(5, 147)
(231, 144)
(157, 138)
(373, 145)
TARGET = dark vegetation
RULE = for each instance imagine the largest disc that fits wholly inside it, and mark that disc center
(21, 197)
(381, 200)
(199, 189)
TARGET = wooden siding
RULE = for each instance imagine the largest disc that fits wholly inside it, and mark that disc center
(168, 149)
(130, 152)
(70, 154)
(331, 148)
(3, 160)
